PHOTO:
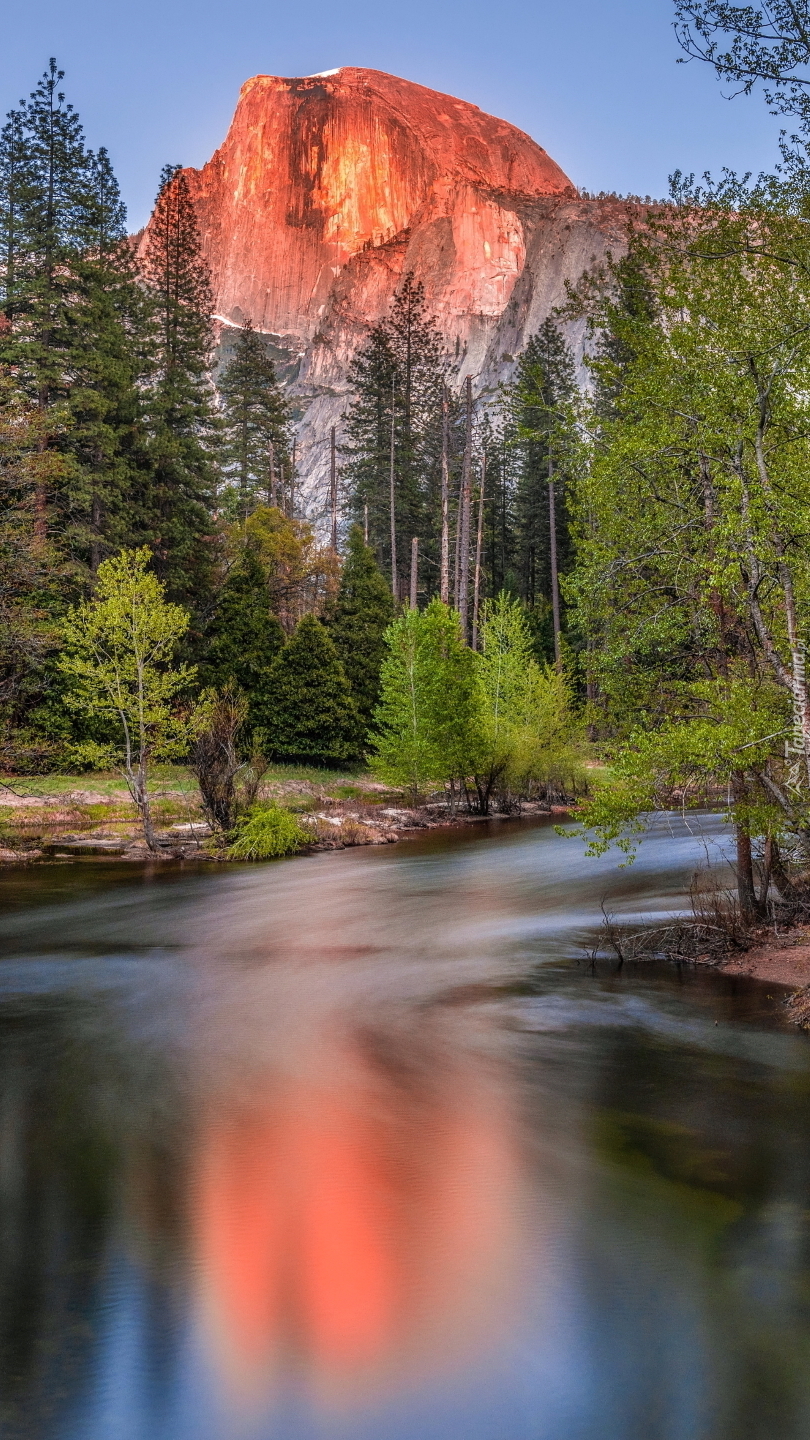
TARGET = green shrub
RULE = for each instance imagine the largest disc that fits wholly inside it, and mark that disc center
(265, 832)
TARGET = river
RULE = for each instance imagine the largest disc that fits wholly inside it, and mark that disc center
(360, 1147)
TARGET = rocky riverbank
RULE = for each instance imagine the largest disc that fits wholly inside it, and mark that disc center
(94, 824)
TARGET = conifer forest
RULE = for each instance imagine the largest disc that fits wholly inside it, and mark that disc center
(588, 586)
(405, 722)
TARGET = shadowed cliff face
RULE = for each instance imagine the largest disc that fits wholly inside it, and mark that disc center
(329, 189)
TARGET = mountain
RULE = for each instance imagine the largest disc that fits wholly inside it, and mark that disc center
(329, 189)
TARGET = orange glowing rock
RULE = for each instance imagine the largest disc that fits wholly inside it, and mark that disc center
(314, 170)
(329, 189)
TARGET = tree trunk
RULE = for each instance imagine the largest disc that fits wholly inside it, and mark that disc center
(555, 579)
(392, 502)
(746, 890)
(465, 507)
(333, 488)
(271, 457)
(478, 544)
(95, 544)
(414, 570)
(136, 780)
(444, 583)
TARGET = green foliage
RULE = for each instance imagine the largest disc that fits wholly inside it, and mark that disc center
(540, 409)
(529, 733)
(177, 498)
(750, 46)
(118, 650)
(427, 717)
(727, 734)
(309, 714)
(357, 621)
(255, 448)
(74, 320)
(243, 638)
(399, 375)
(266, 832)
(693, 519)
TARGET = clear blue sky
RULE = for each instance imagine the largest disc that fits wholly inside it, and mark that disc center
(594, 81)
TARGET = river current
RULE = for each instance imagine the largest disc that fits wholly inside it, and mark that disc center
(361, 1147)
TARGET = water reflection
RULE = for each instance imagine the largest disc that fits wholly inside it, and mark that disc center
(345, 1216)
(348, 1148)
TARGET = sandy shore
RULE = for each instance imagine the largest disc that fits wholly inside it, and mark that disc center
(781, 959)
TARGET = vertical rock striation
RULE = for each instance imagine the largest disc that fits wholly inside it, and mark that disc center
(329, 189)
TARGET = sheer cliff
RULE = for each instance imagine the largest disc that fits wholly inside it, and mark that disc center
(329, 189)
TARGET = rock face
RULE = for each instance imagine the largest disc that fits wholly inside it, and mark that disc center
(328, 190)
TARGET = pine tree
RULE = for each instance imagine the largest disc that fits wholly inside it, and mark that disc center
(368, 429)
(539, 408)
(357, 622)
(398, 378)
(417, 352)
(16, 180)
(633, 300)
(244, 638)
(177, 499)
(311, 717)
(106, 440)
(73, 317)
(256, 442)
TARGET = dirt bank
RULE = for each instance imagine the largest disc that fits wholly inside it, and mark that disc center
(782, 959)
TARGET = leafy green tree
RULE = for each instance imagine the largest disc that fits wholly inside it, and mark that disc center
(693, 518)
(748, 45)
(529, 733)
(632, 299)
(243, 638)
(310, 716)
(256, 432)
(118, 653)
(427, 718)
(178, 496)
(357, 621)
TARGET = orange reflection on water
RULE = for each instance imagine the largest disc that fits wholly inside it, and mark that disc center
(348, 1222)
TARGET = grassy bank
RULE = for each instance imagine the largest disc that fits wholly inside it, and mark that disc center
(48, 815)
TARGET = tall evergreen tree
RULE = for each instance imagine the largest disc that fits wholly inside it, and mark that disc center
(398, 378)
(539, 406)
(243, 638)
(368, 429)
(72, 318)
(311, 717)
(633, 299)
(178, 497)
(357, 621)
(16, 180)
(256, 437)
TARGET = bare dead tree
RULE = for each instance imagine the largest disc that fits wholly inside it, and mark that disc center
(444, 584)
(478, 547)
(465, 506)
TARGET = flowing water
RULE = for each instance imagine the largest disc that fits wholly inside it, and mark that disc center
(359, 1147)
